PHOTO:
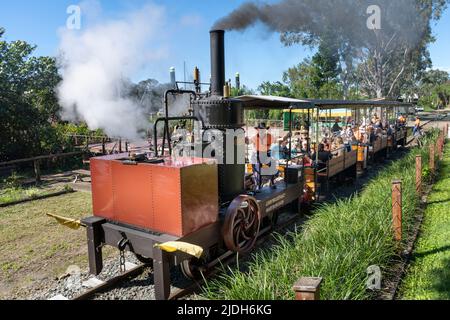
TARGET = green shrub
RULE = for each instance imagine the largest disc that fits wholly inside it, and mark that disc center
(12, 182)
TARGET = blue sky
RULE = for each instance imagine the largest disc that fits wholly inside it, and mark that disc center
(256, 53)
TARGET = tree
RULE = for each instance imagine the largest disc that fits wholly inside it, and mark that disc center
(242, 91)
(434, 89)
(435, 77)
(276, 89)
(386, 59)
(326, 63)
(28, 104)
(383, 43)
(310, 80)
(149, 94)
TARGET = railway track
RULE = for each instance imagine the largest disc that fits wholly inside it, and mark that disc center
(211, 269)
(128, 275)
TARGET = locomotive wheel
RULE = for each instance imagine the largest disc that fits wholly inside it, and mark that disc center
(191, 269)
(242, 224)
(144, 260)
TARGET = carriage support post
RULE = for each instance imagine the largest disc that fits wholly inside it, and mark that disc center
(95, 237)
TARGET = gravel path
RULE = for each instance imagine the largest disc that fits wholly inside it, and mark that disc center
(71, 283)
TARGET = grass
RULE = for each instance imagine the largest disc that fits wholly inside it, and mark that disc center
(338, 243)
(14, 194)
(12, 190)
(429, 275)
(34, 247)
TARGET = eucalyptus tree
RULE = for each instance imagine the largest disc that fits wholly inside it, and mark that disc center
(381, 43)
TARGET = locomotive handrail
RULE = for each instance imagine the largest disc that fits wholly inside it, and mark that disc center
(166, 107)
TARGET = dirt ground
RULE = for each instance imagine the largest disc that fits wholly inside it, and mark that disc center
(35, 248)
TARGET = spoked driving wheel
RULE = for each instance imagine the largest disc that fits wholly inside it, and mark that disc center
(242, 224)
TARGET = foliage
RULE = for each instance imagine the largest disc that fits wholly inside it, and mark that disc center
(149, 94)
(29, 108)
(435, 89)
(10, 194)
(242, 91)
(12, 182)
(338, 243)
(309, 80)
(277, 89)
(383, 62)
(28, 104)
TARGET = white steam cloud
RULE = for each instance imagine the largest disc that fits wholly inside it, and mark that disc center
(95, 65)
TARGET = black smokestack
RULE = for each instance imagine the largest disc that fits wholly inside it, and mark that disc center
(217, 62)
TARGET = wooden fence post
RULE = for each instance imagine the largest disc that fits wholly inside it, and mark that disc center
(432, 158)
(397, 209)
(419, 175)
(37, 170)
(104, 146)
(307, 289)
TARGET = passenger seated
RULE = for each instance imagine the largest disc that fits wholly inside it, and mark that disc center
(390, 130)
(378, 124)
(305, 149)
(371, 134)
(275, 150)
(327, 143)
(284, 149)
(297, 150)
(336, 128)
(401, 121)
(350, 136)
(324, 157)
(279, 150)
(338, 149)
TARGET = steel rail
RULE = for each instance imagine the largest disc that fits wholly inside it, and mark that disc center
(110, 284)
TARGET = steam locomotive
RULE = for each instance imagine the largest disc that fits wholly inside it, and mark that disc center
(141, 204)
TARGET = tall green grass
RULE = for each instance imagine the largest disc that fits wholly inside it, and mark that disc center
(338, 243)
(428, 277)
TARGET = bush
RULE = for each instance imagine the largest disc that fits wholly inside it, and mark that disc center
(12, 182)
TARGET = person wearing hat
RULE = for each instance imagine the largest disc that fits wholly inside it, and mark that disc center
(263, 139)
(276, 149)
